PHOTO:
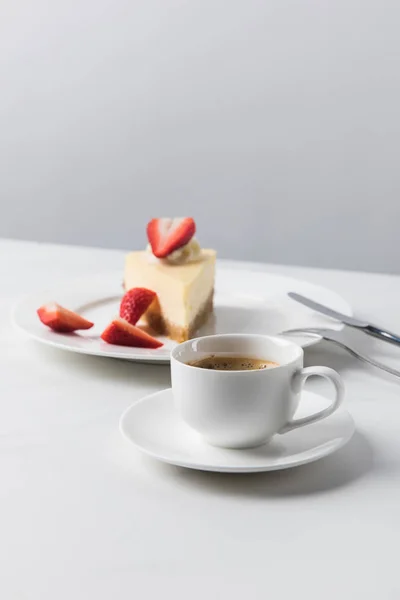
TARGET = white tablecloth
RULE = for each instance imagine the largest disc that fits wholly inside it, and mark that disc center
(84, 516)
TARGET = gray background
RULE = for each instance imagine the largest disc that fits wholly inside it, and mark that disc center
(275, 123)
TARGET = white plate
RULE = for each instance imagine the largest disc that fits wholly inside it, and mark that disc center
(245, 301)
(155, 428)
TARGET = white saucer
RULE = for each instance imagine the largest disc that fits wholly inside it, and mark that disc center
(155, 428)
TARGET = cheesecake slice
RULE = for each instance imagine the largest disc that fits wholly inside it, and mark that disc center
(184, 291)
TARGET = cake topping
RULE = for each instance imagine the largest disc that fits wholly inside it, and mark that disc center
(186, 254)
(135, 303)
(168, 235)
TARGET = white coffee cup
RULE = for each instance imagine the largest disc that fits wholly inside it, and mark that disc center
(243, 409)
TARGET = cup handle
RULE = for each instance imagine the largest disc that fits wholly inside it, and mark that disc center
(298, 382)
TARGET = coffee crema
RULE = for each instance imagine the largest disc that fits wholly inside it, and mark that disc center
(232, 363)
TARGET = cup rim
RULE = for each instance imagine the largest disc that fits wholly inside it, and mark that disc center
(272, 338)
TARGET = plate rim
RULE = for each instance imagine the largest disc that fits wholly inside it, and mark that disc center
(214, 469)
(152, 357)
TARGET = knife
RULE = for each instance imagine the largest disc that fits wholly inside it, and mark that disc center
(364, 326)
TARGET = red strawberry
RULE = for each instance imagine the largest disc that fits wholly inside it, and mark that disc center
(122, 333)
(167, 235)
(61, 319)
(134, 303)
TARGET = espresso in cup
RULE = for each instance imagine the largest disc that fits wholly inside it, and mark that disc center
(232, 363)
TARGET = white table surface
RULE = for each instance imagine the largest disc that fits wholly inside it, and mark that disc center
(85, 516)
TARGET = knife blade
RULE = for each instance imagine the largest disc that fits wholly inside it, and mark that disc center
(364, 326)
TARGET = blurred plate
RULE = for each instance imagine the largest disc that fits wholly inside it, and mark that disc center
(245, 302)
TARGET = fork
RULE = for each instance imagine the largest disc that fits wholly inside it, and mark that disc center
(328, 335)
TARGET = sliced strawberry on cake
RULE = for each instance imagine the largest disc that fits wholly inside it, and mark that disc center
(121, 333)
(135, 303)
(61, 319)
(167, 235)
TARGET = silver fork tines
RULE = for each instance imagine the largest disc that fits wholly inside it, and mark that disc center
(329, 336)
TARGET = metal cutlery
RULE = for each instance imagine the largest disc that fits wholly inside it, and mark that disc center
(364, 326)
(330, 335)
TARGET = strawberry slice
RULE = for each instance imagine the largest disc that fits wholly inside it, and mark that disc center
(121, 333)
(61, 319)
(167, 235)
(135, 303)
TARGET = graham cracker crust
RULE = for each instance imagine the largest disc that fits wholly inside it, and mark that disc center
(159, 324)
